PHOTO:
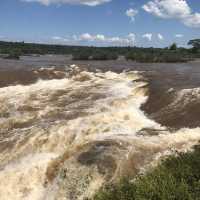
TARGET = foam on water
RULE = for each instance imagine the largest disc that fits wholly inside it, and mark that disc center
(25, 178)
(46, 127)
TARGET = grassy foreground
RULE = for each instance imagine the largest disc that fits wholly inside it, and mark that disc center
(176, 178)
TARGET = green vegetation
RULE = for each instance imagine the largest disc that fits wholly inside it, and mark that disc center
(173, 47)
(100, 55)
(14, 54)
(172, 54)
(195, 45)
(81, 55)
(31, 48)
(159, 55)
(94, 53)
(176, 178)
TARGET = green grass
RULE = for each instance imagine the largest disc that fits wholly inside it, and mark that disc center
(176, 178)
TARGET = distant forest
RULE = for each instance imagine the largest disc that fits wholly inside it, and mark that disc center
(173, 53)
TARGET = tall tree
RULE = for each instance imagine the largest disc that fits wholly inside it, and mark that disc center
(173, 47)
(196, 45)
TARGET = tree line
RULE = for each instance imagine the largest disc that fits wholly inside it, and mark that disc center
(13, 50)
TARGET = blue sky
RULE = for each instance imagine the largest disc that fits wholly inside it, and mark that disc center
(101, 22)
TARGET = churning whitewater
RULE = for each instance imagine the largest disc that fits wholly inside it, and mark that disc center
(64, 138)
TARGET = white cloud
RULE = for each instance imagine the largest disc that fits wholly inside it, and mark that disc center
(89, 37)
(98, 39)
(131, 13)
(57, 38)
(128, 40)
(173, 9)
(160, 37)
(193, 20)
(131, 37)
(168, 8)
(75, 2)
(148, 36)
(178, 35)
(66, 40)
(86, 36)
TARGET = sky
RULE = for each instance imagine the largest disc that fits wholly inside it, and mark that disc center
(145, 23)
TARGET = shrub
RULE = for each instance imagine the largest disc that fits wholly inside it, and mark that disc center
(94, 54)
(176, 178)
(83, 55)
(153, 57)
(14, 54)
(101, 55)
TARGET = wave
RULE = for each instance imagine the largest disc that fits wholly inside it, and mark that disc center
(63, 139)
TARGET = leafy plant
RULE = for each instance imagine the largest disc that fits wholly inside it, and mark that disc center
(176, 178)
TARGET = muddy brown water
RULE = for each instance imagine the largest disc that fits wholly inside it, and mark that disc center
(67, 130)
(165, 80)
